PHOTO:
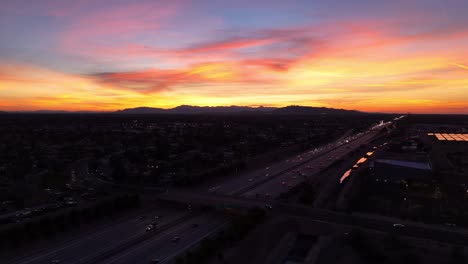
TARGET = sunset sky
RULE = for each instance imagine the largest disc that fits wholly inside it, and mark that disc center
(102, 55)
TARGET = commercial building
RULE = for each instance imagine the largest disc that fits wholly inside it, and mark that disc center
(403, 168)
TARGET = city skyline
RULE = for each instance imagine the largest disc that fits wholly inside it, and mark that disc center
(373, 56)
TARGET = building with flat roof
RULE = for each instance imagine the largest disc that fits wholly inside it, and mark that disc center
(394, 168)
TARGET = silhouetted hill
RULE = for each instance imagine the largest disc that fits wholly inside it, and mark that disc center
(142, 110)
(309, 110)
(188, 109)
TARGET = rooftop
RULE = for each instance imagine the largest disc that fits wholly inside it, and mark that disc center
(408, 164)
(450, 136)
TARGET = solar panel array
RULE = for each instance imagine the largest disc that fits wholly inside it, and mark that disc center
(345, 175)
(361, 160)
(450, 136)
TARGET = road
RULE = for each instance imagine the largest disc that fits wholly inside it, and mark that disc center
(85, 247)
(268, 179)
(384, 224)
(163, 247)
(281, 182)
(128, 242)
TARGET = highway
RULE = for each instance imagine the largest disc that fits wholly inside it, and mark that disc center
(88, 246)
(280, 183)
(129, 242)
(383, 224)
(163, 247)
(268, 179)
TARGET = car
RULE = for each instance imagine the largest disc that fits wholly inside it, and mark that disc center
(268, 206)
(294, 177)
(155, 260)
(71, 203)
(214, 188)
(141, 217)
(175, 239)
(55, 261)
(157, 217)
(250, 180)
(399, 225)
(283, 183)
(450, 224)
(150, 228)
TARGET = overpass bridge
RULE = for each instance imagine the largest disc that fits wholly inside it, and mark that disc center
(363, 221)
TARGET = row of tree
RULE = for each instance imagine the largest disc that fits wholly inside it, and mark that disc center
(210, 247)
(48, 225)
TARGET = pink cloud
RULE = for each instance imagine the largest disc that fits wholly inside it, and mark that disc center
(111, 27)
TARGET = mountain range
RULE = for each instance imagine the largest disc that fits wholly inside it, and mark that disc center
(188, 109)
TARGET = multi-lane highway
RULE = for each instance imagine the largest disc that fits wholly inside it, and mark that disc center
(129, 242)
(384, 224)
(309, 167)
(170, 243)
(162, 248)
(269, 180)
(86, 247)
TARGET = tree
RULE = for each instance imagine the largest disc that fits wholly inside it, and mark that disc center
(220, 256)
(45, 226)
(409, 258)
(457, 254)
(119, 172)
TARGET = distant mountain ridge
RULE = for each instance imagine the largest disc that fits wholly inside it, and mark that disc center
(188, 109)
(308, 110)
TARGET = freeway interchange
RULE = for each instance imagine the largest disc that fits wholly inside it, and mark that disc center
(127, 241)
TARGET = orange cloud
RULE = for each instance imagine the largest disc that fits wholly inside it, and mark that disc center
(364, 65)
(461, 66)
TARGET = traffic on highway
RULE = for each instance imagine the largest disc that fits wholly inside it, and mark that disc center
(161, 235)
